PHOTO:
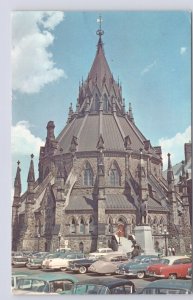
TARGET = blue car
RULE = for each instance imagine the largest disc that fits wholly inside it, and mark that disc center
(138, 266)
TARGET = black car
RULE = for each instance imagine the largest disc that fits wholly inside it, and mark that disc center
(103, 286)
(81, 265)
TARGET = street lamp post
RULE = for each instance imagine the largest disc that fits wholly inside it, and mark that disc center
(59, 238)
(165, 237)
(38, 236)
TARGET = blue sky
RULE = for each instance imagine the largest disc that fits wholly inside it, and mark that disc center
(150, 52)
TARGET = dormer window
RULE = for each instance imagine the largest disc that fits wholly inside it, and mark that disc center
(114, 175)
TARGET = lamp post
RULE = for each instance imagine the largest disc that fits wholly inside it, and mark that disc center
(165, 237)
(59, 238)
(38, 236)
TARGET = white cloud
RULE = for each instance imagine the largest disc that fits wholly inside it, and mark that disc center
(23, 142)
(175, 146)
(32, 62)
(183, 50)
(148, 68)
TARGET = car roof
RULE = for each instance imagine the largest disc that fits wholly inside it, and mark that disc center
(108, 282)
(174, 257)
(170, 283)
(52, 277)
(19, 273)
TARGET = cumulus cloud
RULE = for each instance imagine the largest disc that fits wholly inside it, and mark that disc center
(23, 142)
(183, 50)
(32, 61)
(175, 146)
(148, 67)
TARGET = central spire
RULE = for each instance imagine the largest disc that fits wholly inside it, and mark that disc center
(100, 32)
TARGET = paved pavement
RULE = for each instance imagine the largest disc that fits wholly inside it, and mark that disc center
(139, 283)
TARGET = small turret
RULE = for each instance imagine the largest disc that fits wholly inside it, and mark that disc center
(50, 131)
(170, 174)
(17, 185)
(31, 175)
(130, 114)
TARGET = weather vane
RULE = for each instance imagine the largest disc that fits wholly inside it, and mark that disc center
(100, 31)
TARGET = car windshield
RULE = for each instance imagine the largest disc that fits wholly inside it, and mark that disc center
(164, 261)
(34, 285)
(82, 289)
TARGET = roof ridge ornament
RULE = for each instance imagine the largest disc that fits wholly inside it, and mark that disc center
(100, 32)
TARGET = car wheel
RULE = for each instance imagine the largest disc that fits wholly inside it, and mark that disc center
(140, 275)
(172, 276)
(82, 270)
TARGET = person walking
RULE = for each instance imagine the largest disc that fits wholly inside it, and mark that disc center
(173, 251)
(170, 251)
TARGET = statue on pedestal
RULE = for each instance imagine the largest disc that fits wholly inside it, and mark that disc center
(143, 213)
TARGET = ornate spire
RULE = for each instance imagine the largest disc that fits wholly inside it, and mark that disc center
(170, 174)
(17, 182)
(70, 113)
(31, 174)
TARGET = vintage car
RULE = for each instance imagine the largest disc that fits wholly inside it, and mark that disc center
(81, 265)
(131, 262)
(45, 284)
(52, 255)
(168, 286)
(103, 286)
(101, 252)
(172, 267)
(137, 269)
(189, 273)
(62, 261)
(19, 261)
(35, 262)
(107, 264)
(16, 276)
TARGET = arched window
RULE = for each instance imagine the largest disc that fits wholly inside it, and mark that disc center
(114, 176)
(73, 226)
(110, 226)
(88, 175)
(82, 226)
(96, 103)
(91, 225)
(105, 103)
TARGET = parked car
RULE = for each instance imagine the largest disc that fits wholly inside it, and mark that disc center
(138, 269)
(62, 261)
(50, 256)
(123, 268)
(64, 250)
(15, 278)
(103, 286)
(35, 262)
(107, 264)
(45, 284)
(171, 267)
(189, 273)
(101, 252)
(168, 286)
(19, 261)
(81, 265)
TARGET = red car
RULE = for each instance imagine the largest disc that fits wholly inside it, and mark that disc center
(172, 267)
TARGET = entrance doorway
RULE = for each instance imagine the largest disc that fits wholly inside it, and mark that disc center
(121, 230)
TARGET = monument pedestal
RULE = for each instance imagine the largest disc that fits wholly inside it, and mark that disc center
(143, 238)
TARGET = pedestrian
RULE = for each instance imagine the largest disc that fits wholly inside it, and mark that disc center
(170, 251)
(173, 251)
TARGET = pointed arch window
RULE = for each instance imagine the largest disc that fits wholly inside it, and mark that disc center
(73, 226)
(110, 226)
(105, 103)
(114, 175)
(88, 175)
(82, 226)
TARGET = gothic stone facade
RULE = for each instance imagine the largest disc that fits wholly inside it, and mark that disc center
(95, 177)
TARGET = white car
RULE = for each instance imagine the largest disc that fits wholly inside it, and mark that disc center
(102, 252)
(62, 261)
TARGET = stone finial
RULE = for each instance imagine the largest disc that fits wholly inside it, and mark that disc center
(130, 113)
(127, 142)
(170, 174)
(74, 144)
(50, 130)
